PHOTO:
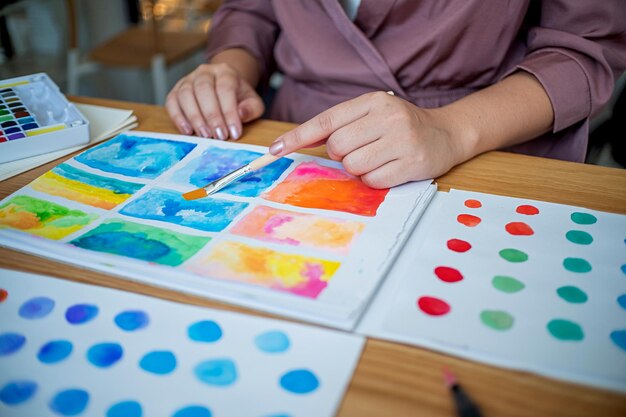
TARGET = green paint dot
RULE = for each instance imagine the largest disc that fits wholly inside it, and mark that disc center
(579, 237)
(498, 320)
(565, 330)
(572, 294)
(583, 218)
(507, 284)
(513, 255)
(576, 265)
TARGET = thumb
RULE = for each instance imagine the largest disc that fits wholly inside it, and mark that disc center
(250, 105)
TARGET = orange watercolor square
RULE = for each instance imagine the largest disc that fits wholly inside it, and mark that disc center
(313, 185)
(270, 224)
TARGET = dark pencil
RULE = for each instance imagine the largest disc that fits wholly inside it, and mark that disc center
(465, 407)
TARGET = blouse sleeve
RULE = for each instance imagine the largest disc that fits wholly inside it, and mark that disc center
(246, 24)
(577, 50)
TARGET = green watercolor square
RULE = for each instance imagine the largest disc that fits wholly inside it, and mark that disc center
(139, 241)
(42, 218)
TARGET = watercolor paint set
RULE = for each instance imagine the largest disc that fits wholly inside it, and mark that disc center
(36, 118)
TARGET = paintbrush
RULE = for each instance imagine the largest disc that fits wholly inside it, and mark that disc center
(231, 177)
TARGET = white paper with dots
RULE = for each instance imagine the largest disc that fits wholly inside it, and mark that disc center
(513, 282)
(74, 349)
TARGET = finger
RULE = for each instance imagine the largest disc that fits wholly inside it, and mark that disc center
(226, 87)
(316, 144)
(353, 136)
(389, 175)
(370, 157)
(251, 106)
(209, 104)
(321, 126)
(191, 109)
(176, 113)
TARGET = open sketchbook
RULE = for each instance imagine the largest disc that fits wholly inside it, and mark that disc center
(299, 237)
(517, 283)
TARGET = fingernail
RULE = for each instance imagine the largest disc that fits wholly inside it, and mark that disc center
(277, 147)
(186, 128)
(220, 133)
(233, 132)
(204, 132)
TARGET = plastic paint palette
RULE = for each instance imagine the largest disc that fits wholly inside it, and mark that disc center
(36, 118)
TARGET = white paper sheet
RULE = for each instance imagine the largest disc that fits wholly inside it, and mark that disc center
(230, 364)
(548, 314)
(361, 267)
(104, 123)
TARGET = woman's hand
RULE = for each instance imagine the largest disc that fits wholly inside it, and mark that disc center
(383, 139)
(213, 101)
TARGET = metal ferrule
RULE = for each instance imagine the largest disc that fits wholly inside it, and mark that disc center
(222, 182)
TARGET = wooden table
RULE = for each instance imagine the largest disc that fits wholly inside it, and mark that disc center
(394, 380)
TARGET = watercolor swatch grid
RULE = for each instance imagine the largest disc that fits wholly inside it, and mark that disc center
(300, 236)
(69, 349)
(512, 282)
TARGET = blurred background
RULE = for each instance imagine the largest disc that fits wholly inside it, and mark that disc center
(135, 50)
(111, 49)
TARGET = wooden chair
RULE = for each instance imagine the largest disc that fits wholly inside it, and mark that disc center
(145, 47)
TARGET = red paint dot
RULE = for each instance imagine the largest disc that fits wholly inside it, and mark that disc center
(3, 294)
(473, 204)
(458, 245)
(468, 220)
(433, 306)
(447, 274)
(527, 210)
(519, 229)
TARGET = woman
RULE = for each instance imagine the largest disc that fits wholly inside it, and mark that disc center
(468, 76)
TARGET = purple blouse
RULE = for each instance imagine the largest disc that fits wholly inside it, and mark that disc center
(433, 52)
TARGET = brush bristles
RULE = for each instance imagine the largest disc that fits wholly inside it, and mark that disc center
(195, 194)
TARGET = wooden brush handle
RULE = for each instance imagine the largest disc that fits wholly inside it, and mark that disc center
(263, 161)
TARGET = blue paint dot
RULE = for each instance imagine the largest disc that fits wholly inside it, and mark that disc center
(299, 381)
(193, 411)
(619, 338)
(81, 313)
(621, 300)
(17, 392)
(132, 320)
(104, 355)
(624, 268)
(36, 308)
(158, 362)
(71, 402)
(54, 351)
(273, 341)
(11, 343)
(125, 409)
(206, 331)
(216, 372)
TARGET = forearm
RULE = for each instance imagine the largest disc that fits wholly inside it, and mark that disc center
(512, 111)
(241, 61)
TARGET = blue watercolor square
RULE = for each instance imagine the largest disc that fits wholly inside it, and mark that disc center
(216, 162)
(208, 214)
(136, 156)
